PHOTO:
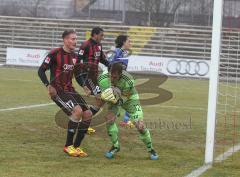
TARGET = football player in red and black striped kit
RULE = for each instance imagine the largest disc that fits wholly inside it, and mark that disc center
(91, 54)
(62, 63)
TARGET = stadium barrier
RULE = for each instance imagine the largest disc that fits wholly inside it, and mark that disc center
(178, 42)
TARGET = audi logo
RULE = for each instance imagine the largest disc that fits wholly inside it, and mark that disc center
(184, 67)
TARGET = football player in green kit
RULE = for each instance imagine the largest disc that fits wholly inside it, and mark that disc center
(118, 91)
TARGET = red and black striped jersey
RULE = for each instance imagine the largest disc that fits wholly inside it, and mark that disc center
(91, 52)
(90, 55)
(61, 65)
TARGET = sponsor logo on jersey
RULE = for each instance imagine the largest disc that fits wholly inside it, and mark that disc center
(47, 60)
(68, 67)
(81, 52)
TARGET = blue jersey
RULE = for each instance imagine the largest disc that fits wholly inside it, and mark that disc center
(120, 56)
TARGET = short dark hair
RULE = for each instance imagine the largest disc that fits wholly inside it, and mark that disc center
(116, 67)
(96, 30)
(67, 32)
(120, 40)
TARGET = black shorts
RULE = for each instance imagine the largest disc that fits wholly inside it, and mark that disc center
(68, 100)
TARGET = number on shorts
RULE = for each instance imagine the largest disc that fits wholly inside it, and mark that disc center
(70, 104)
(138, 107)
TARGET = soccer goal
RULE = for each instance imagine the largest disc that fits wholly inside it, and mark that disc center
(224, 90)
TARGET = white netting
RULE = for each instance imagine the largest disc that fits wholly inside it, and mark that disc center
(228, 105)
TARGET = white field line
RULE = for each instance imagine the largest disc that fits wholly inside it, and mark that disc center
(199, 171)
(178, 107)
(227, 153)
(18, 80)
(220, 158)
(47, 104)
(26, 107)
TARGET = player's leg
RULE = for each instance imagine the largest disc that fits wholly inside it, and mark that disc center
(134, 109)
(145, 136)
(98, 104)
(81, 131)
(86, 77)
(95, 109)
(126, 117)
(84, 123)
(82, 128)
(112, 131)
(74, 111)
(72, 129)
(126, 121)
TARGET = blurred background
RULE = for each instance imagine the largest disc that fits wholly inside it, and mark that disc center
(130, 12)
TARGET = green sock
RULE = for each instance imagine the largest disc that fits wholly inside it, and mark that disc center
(112, 130)
(146, 138)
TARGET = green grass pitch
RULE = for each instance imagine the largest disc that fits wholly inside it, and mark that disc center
(31, 144)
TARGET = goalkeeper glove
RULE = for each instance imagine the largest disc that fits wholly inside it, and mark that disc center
(107, 95)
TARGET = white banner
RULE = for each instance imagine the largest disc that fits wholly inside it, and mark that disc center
(170, 66)
(25, 57)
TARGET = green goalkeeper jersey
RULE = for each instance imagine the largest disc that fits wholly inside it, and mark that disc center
(125, 84)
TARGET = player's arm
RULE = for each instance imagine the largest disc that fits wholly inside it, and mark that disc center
(129, 88)
(85, 79)
(47, 63)
(83, 52)
(118, 57)
(79, 76)
(42, 76)
(107, 91)
(81, 81)
(103, 59)
(104, 83)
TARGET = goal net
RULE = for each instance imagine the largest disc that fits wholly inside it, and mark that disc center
(228, 92)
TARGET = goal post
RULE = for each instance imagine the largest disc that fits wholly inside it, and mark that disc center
(213, 81)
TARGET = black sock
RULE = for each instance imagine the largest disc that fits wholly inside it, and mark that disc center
(94, 110)
(72, 126)
(82, 129)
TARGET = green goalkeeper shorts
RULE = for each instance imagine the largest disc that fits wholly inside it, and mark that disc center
(132, 106)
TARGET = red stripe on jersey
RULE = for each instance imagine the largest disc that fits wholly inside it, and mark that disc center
(97, 52)
(90, 54)
(68, 74)
(58, 69)
(65, 74)
(55, 51)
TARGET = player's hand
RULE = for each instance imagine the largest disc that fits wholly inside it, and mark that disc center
(52, 91)
(86, 90)
(107, 95)
(98, 96)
